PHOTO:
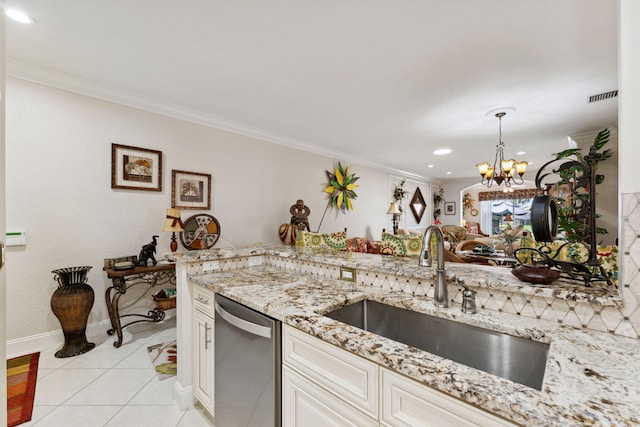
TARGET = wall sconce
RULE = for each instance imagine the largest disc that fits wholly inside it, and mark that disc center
(393, 210)
(173, 223)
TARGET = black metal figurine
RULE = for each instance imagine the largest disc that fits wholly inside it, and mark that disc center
(147, 253)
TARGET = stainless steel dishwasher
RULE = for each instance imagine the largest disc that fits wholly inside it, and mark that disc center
(247, 365)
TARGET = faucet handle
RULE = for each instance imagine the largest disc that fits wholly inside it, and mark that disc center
(468, 298)
(462, 284)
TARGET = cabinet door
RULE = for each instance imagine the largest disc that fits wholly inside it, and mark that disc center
(408, 403)
(307, 405)
(203, 379)
(347, 375)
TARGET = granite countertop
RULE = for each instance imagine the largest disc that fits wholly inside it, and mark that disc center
(474, 275)
(591, 378)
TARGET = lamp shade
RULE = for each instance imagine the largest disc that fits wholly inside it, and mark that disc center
(508, 218)
(393, 209)
(173, 221)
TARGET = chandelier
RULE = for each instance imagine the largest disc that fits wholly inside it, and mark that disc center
(502, 170)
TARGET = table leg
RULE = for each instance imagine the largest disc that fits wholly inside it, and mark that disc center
(114, 313)
(107, 297)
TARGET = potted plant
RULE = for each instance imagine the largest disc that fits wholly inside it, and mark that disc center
(438, 198)
(574, 218)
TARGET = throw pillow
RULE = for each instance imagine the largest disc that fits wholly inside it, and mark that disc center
(401, 245)
(337, 241)
(357, 244)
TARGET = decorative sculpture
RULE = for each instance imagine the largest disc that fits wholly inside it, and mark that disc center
(580, 177)
(147, 253)
(299, 221)
(299, 213)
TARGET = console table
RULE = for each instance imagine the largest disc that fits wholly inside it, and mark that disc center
(161, 274)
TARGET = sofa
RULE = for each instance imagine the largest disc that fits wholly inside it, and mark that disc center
(405, 243)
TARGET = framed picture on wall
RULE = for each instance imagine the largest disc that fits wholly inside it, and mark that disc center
(136, 168)
(190, 190)
(449, 208)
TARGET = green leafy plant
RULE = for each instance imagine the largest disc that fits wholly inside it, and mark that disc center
(574, 219)
(467, 202)
(438, 198)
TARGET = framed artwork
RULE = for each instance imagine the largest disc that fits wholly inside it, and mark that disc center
(417, 205)
(449, 208)
(190, 190)
(136, 168)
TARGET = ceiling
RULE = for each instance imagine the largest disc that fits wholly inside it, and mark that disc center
(377, 82)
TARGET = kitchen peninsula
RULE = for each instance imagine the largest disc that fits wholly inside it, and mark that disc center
(590, 378)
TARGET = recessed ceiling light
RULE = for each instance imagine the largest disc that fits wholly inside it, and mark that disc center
(521, 153)
(442, 151)
(429, 166)
(19, 16)
(448, 172)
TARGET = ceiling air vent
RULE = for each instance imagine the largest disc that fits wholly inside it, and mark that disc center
(602, 96)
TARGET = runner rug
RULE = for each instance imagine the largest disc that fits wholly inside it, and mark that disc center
(164, 358)
(22, 373)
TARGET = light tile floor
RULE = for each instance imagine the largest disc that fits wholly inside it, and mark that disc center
(110, 386)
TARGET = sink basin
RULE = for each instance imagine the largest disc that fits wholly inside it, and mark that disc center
(516, 359)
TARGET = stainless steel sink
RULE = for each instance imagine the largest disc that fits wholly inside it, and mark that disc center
(516, 359)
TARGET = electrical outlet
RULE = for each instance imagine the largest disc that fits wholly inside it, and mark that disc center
(210, 265)
(348, 274)
(255, 260)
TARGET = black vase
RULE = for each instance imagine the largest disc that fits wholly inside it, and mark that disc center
(72, 303)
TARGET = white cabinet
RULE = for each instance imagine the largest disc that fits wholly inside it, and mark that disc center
(309, 405)
(203, 372)
(324, 385)
(407, 403)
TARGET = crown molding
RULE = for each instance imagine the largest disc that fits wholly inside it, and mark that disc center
(71, 83)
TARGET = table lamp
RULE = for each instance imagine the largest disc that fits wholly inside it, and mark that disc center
(173, 223)
(395, 211)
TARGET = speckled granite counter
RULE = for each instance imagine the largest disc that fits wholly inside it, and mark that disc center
(474, 275)
(591, 378)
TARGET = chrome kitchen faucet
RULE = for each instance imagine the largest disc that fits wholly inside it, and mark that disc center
(441, 295)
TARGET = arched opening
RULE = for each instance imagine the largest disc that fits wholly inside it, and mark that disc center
(492, 210)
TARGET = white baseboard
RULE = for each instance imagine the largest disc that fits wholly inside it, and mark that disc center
(183, 395)
(39, 342)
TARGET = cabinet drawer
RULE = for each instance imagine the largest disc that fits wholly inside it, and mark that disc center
(309, 405)
(406, 402)
(345, 374)
(203, 300)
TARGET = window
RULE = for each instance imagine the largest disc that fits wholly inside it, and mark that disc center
(498, 215)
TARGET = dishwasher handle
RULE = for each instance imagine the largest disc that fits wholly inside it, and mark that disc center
(239, 323)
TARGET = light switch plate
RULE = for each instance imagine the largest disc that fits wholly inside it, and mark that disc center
(255, 260)
(210, 265)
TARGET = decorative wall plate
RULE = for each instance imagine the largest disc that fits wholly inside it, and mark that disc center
(201, 231)
(474, 212)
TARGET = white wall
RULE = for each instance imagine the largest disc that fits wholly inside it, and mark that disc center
(3, 276)
(59, 191)
(629, 98)
(453, 193)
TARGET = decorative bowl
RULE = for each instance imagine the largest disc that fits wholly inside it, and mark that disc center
(535, 274)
